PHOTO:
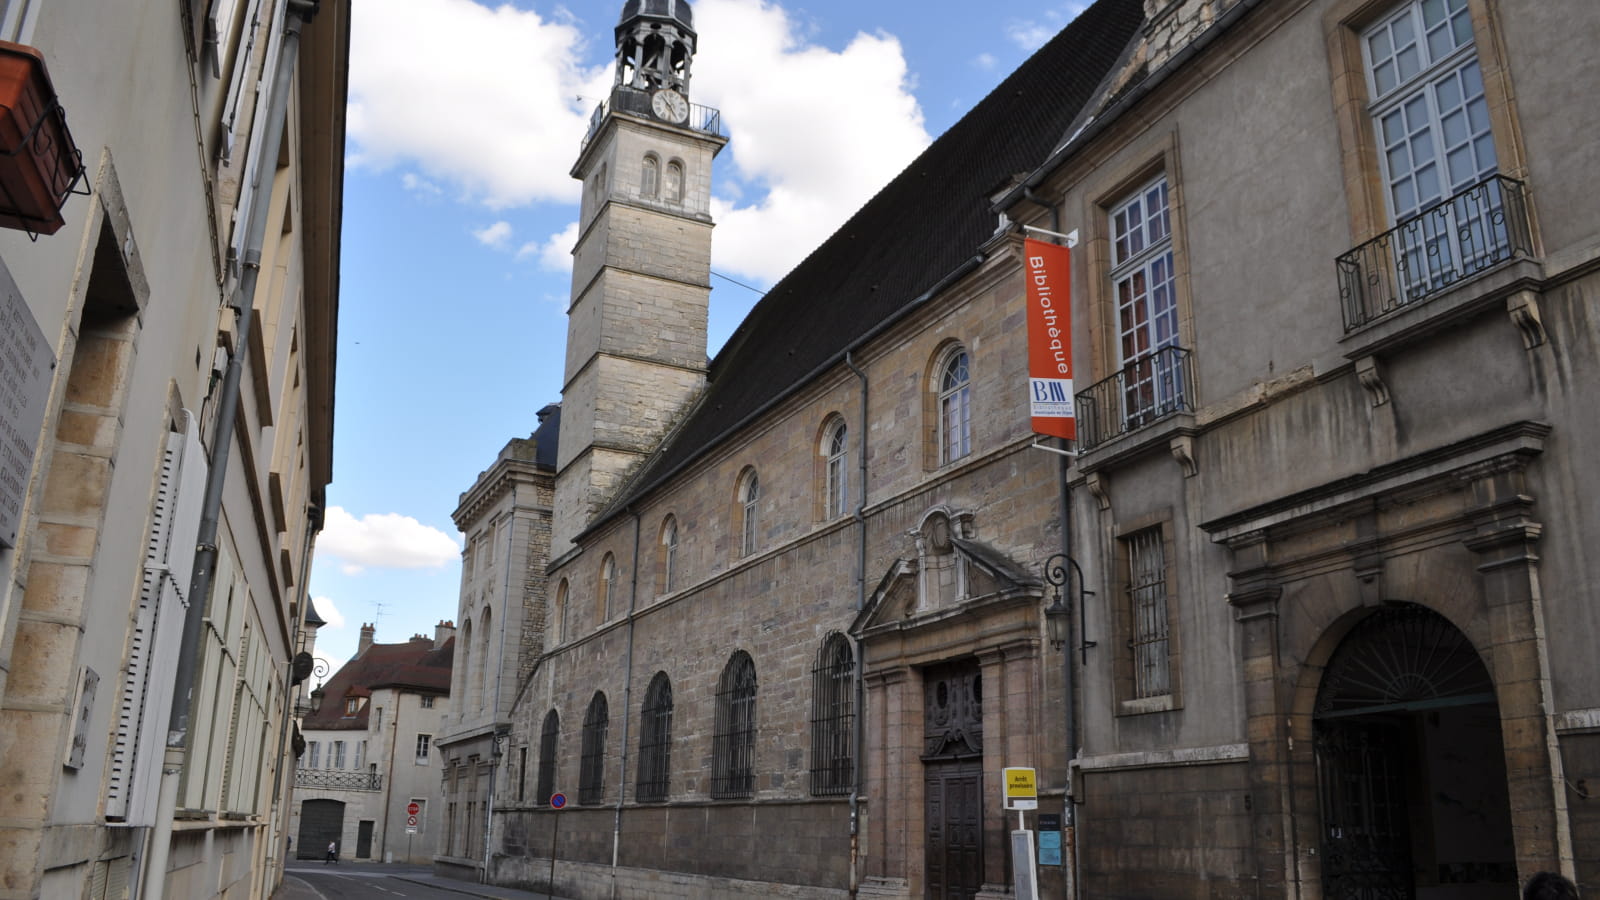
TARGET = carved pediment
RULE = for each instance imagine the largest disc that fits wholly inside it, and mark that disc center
(933, 586)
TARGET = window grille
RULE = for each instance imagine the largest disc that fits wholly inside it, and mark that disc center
(592, 765)
(751, 501)
(734, 742)
(1147, 590)
(832, 696)
(522, 773)
(955, 408)
(838, 481)
(655, 741)
(547, 758)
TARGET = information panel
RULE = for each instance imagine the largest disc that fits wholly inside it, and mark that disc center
(25, 366)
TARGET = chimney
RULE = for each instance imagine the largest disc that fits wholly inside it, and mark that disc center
(366, 638)
(444, 631)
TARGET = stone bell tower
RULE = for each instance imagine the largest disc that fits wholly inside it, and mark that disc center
(641, 273)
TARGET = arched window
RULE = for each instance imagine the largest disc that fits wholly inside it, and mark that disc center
(655, 741)
(485, 658)
(832, 708)
(749, 511)
(835, 474)
(955, 412)
(547, 758)
(558, 615)
(649, 176)
(669, 555)
(592, 765)
(733, 744)
(608, 577)
(465, 644)
(597, 189)
(672, 187)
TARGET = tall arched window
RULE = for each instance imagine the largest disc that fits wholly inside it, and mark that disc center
(832, 710)
(649, 176)
(733, 744)
(592, 765)
(608, 577)
(655, 741)
(485, 658)
(547, 758)
(955, 412)
(465, 645)
(836, 477)
(669, 555)
(558, 616)
(672, 187)
(749, 511)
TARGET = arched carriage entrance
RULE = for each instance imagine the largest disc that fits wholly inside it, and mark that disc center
(1411, 772)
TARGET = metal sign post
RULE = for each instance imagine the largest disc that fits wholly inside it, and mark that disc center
(1020, 788)
(558, 801)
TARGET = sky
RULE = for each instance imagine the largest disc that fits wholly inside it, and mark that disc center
(460, 215)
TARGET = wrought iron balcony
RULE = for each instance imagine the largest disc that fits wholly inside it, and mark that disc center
(1146, 390)
(338, 780)
(1458, 237)
(632, 100)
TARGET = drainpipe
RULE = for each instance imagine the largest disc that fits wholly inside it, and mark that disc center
(1069, 817)
(388, 785)
(495, 734)
(627, 704)
(205, 559)
(859, 705)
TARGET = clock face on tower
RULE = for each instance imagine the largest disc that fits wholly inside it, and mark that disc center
(669, 106)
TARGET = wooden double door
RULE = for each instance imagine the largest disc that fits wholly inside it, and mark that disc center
(953, 798)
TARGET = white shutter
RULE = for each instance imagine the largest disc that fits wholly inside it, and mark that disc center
(146, 697)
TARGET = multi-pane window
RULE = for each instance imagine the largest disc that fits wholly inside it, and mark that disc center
(1431, 120)
(669, 554)
(561, 616)
(427, 702)
(750, 507)
(832, 696)
(1148, 637)
(655, 741)
(649, 176)
(337, 762)
(1147, 306)
(836, 479)
(733, 743)
(548, 735)
(592, 764)
(313, 755)
(361, 754)
(955, 408)
(672, 188)
(352, 705)
(424, 744)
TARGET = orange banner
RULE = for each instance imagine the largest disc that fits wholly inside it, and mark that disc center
(1048, 271)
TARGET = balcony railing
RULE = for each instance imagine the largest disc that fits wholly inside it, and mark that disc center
(1146, 390)
(1477, 229)
(632, 100)
(338, 780)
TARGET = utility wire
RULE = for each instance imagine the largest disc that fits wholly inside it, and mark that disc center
(747, 287)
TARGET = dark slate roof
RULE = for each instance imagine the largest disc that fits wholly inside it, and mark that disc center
(547, 436)
(917, 231)
(312, 619)
(416, 666)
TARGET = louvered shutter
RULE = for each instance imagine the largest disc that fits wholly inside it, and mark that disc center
(146, 696)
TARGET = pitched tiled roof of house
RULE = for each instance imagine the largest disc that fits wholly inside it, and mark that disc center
(917, 231)
(416, 666)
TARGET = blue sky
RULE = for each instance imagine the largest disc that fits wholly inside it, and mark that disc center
(459, 216)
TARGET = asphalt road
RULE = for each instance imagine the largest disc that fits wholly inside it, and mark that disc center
(306, 880)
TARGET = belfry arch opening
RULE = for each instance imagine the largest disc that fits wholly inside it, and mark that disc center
(1411, 777)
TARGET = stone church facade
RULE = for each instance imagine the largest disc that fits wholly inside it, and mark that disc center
(1329, 607)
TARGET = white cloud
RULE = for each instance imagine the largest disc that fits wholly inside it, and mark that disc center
(416, 184)
(555, 253)
(985, 61)
(490, 106)
(820, 130)
(384, 540)
(496, 235)
(1031, 34)
(329, 612)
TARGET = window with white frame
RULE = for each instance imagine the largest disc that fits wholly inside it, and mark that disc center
(750, 505)
(338, 756)
(427, 701)
(313, 755)
(608, 577)
(1431, 120)
(836, 481)
(424, 744)
(1147, 307)
(955, 407)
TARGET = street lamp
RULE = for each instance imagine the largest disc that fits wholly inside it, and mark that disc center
(1058, 616)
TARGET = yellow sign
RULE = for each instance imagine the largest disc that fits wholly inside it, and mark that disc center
(1020, 788)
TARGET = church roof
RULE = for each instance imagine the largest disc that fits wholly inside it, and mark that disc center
(914, 234)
